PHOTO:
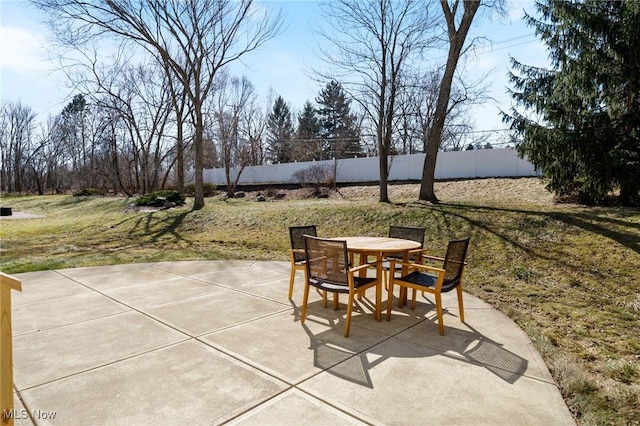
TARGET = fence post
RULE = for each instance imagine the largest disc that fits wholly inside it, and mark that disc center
(7, 283)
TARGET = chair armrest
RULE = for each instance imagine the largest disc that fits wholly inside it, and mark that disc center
(418, 266)
(362, 266)
(416, 251)
(416, 255)
(426, 256)
(441, 259)
(293, 252)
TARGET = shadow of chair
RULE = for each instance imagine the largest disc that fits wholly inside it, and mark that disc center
(340, 359)
(495, 358)
(328, 269)
(429, 279)
(336, 355)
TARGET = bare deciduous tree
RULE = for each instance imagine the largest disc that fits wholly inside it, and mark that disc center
(16, 128)
(419, 103)
(255, 126)
(372, 43)
(179, 102)
(142, 103)
(192, 39)
(234, 99)
(458, 22)
(45, 157)
(138, 99)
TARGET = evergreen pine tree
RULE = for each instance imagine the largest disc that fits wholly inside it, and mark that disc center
(588, 138)
(308, 145)
(338, 127)
(279, 133)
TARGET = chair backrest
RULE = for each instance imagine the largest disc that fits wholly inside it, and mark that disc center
(407, 233)
(412, 233)
(327, 260)
(296, 235)
(454, 260)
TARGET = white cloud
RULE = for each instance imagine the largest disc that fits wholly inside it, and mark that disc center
(22, 51)
(518, 7)
(28, 75)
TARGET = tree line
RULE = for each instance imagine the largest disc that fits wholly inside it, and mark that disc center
(162, 104)
(159, 105)
(124, 140)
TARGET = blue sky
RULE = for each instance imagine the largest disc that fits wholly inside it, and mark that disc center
(283, 65)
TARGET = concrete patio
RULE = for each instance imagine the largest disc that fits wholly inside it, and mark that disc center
(200, 343)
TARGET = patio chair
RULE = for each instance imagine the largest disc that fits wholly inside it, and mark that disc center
(328, 269)
(434, 280)
(296, 252)
(412, 233)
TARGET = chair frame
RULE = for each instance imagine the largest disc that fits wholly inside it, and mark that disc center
(350, 287)
(392, 234)
(295, 252)
(436, 289)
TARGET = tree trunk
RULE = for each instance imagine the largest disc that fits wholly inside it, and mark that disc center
(384, 166)
(456, 41)
(179, 158)
(198, 201)
(383, 143)
(383, 147)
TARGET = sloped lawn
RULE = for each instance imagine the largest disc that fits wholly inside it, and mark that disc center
(568, 275)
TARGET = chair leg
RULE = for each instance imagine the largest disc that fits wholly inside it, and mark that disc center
(336, 301)
(292, 278)
(414, 293)
(305, 298)
(386, 279)
(460, 304)
(347, 324)
(439, 311)
(389, 300)
(379, 301)
(402, 300)
(363, 273)
(324, 299)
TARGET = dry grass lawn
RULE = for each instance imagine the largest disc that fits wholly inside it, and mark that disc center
(569, 275)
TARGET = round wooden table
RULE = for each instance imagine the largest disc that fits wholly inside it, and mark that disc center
(382, 246)
(379, 247)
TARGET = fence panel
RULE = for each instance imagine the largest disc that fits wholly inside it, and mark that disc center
(503, 162)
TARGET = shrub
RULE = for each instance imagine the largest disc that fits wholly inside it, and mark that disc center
(158, 198)
(209, 190)
(87, 192)
(316, 177)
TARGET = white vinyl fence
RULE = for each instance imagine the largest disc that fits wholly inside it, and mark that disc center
(503, 162)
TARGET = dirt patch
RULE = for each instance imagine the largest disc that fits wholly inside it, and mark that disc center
(21, 215)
